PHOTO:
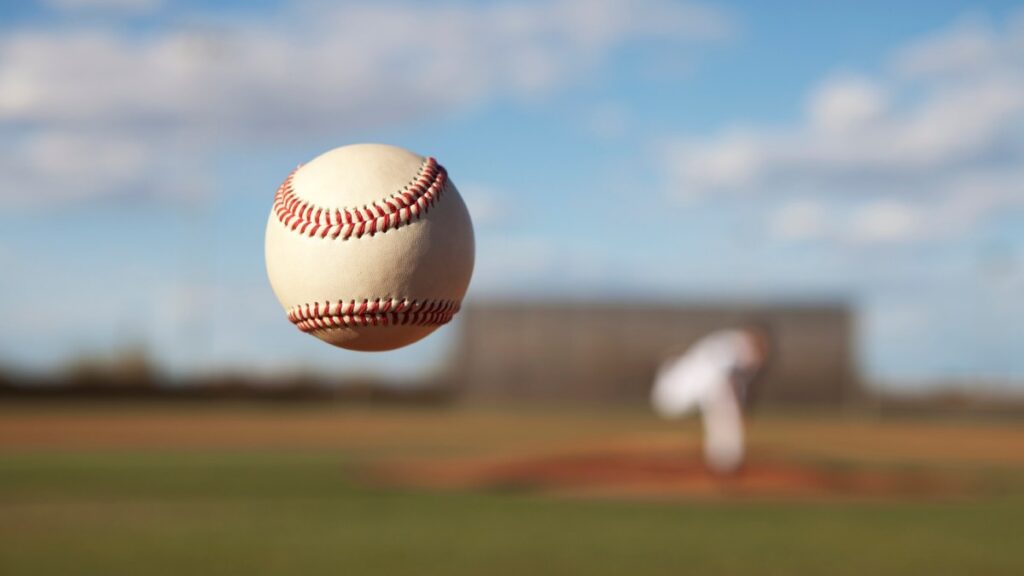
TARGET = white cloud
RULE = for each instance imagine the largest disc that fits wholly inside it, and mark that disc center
(934, 146)
(733, 162)
(802, 219)
(49, 166)
(885, 221)
(131, 6)
(970, 45)
(488, 206)
(310, 71)
(846, 103)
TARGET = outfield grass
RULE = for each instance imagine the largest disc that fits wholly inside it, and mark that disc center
(162, 510)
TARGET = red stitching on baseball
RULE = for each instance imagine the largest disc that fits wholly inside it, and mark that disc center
(402, 207)
(380, 312)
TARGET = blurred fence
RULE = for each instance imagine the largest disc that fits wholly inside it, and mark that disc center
(607, 352)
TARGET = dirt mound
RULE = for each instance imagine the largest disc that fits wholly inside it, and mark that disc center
(657, 474)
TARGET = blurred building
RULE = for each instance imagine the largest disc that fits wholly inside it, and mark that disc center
(604, 352)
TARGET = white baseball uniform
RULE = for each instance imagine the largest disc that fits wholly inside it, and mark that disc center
(703, 379)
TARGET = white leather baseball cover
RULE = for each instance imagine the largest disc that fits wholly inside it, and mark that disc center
(369, 247)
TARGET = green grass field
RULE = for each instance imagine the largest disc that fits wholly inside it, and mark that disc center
(78, 498)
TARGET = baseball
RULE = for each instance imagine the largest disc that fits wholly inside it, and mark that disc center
(369, 247)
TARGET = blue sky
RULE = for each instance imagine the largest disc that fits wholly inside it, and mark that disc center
(647, 150)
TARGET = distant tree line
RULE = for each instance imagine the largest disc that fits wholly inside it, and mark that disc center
(132, 375)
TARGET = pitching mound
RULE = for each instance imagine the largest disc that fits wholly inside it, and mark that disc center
(637, 474)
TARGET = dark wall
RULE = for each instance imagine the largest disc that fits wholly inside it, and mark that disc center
(609, 353)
